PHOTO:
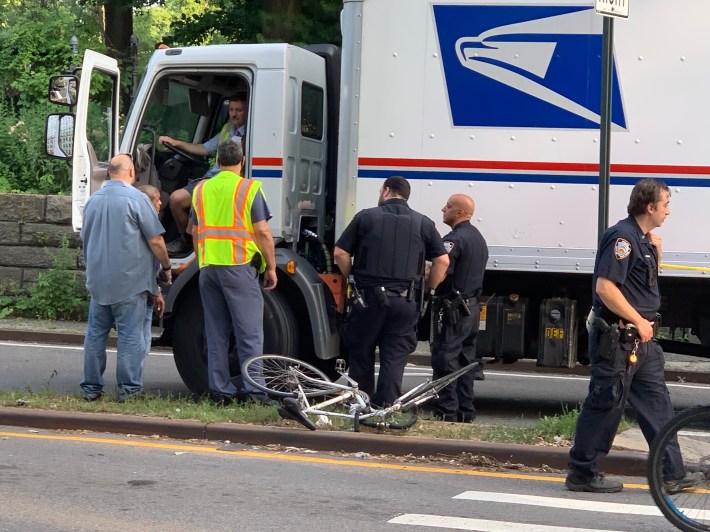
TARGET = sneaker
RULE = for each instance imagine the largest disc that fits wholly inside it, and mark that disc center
(92, 398)
(181, 246)
(688, 481)
(595, 484)
(448, 418)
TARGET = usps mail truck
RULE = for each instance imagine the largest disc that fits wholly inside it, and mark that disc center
(496, 99)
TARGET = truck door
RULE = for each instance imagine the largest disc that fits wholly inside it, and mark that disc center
(305, 145)
(96, 129)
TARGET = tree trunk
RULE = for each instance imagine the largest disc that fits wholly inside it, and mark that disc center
(118, 28)
(283, 14)
(118, 17)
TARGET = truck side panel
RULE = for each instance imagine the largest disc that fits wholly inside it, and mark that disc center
(501, 101)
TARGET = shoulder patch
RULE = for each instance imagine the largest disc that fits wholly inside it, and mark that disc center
(622, 248)
(448, 245)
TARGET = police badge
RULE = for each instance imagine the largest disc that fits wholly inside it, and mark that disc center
(622, 248)
(448, 245)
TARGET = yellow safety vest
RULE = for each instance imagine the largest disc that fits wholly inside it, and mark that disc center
(224, 136)
(225, 234)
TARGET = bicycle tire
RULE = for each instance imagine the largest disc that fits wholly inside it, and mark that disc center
(281, 381)
(400, 420)
(688, 509)
(434, 387)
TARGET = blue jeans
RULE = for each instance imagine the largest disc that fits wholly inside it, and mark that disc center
(129, 316)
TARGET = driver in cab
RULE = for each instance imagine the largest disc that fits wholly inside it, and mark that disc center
(180, 199)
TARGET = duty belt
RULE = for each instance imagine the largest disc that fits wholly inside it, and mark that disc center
(389, 291)
(611, 318)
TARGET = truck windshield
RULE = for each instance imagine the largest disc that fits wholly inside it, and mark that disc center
(171, 114)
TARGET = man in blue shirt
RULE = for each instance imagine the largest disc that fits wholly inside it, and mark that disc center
(121, 233)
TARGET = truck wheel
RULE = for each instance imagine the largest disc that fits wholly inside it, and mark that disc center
(190, 345)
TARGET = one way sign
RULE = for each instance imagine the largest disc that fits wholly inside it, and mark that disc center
(612, 8)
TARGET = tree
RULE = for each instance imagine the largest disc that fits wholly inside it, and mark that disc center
(241, 21)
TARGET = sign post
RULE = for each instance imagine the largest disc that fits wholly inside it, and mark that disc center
(610, 9)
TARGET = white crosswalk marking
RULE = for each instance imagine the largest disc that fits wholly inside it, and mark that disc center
(481, 525)
(560, 503)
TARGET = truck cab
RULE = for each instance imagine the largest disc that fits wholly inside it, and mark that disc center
(185, 94)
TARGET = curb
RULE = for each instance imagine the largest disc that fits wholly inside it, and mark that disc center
(52, 337)
(623, 463)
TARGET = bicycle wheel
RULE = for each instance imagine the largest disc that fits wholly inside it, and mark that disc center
(400, 419)
(685, 503)
(284, 377)
(432, 388)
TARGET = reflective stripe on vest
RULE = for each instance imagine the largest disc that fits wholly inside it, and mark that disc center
(225, 235)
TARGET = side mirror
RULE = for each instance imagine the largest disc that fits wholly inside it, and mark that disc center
(59, 135)
(63, 90)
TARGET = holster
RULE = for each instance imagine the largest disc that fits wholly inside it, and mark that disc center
(608, 339)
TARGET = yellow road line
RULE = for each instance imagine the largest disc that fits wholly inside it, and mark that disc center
(293, 458)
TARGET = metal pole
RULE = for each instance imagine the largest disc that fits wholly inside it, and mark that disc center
(74, 43)
(605, 124)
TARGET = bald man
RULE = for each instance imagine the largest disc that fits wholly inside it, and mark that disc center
(456, 310)
(121, 235)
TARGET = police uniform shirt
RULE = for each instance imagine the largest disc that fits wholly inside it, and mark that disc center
(468, 255)
(361, 224)
(627, 258)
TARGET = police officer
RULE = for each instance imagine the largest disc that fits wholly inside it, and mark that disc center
(389, 244)
(627, 363)
(455, 310)
(234, 244)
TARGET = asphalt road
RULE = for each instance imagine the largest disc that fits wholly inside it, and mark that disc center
(505, 396)
(61, 482)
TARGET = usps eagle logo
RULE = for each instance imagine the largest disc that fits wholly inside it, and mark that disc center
(622, 249)
(448, 245)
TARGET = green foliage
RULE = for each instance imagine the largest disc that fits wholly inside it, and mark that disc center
(24, 167)
(558, 429)
(241, 21)
(58, 293)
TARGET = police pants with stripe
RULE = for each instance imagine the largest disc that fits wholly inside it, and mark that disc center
(393, 329)
(612, 383)
(453, 348)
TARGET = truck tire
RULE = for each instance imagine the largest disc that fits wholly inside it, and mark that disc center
(190, 345)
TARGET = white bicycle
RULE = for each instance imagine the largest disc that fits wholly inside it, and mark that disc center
(307, 391)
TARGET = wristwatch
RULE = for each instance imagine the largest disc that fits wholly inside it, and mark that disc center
(165, 269)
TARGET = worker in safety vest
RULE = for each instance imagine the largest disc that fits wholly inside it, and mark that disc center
(233, 243)
(179, 204)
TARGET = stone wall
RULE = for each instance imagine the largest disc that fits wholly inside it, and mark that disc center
(31, 227)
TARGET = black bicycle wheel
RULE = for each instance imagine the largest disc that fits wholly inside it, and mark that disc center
(686, 505)
(284, 376)
(399, 420)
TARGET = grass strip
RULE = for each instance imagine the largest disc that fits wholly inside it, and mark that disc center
(549, 430)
